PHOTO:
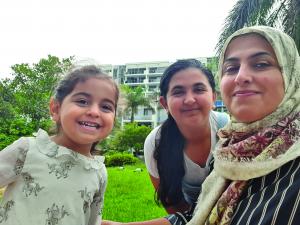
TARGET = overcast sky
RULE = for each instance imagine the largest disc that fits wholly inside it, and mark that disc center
(109, 31)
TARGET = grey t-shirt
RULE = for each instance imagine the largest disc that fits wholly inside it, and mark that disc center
(194, 174)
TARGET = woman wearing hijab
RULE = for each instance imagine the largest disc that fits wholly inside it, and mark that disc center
(256, 176)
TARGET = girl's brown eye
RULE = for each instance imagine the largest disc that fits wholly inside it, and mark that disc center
(108, 108)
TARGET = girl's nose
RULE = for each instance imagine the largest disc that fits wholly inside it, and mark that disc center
(94, 111)
(244, 75)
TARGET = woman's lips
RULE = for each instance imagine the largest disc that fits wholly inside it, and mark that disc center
(245, 93)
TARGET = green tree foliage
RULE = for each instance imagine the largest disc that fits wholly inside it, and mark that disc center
(131, 137)
(212, 65)
(25, 97)
(134, 98)
(283, 14)
(33, 86)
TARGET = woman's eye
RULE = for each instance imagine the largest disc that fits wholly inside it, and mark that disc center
(82, 102)
(199, 90)
(177, 92)
(231, 70)
(261, 65)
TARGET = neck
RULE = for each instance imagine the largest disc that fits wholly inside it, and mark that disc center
(196, 135)
(81, 149)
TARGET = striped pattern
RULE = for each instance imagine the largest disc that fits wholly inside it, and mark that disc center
(179, 218)
(272, 199)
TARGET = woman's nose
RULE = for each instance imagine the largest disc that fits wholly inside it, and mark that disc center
(244, 75)
(189, 98)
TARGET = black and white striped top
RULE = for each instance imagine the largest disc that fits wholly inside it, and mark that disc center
(269, 200)
(272, 199)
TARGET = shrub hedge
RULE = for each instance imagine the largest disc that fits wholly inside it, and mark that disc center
(120, 159)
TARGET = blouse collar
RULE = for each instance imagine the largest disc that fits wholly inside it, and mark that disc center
(53, 150)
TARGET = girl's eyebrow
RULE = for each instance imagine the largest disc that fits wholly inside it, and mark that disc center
(89, 96)
(81, 93)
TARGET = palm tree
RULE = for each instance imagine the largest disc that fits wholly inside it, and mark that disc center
(134, 98)
(283, 14)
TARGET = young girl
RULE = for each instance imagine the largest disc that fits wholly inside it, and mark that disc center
(57, 180)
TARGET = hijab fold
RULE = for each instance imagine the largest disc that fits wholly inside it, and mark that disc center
(247, 151)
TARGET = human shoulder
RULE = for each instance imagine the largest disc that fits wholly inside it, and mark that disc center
(220, 118)
(21, 144)
(12, 160)
(150, 140)
(149, 148)
(153, 136)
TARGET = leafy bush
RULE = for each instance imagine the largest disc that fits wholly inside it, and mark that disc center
(18, 127)
(119, 159)
(131, 137)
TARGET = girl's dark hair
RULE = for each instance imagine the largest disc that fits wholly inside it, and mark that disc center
(169, 146)
(79, 75)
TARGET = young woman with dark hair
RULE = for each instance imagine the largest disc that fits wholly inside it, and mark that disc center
(177, 153)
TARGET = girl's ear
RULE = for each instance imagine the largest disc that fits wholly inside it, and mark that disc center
(163, 102)
(54, 108)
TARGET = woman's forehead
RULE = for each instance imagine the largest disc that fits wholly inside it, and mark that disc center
(248, 42)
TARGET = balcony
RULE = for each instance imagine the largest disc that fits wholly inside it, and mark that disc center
(134, 75)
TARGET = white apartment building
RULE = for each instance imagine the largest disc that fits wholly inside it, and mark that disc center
(146, 74)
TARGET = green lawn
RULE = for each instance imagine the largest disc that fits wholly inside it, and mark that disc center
(130, 195)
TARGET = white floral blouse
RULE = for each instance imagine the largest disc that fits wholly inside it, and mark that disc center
(50, 184)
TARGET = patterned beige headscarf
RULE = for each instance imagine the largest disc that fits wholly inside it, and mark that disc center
(278, 135)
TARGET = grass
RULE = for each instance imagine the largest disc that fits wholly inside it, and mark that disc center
(130, 195)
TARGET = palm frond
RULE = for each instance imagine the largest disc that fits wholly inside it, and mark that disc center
(291, 20)
(244, 13)
(236, 19)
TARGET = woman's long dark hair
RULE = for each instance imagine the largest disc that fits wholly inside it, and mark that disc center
(169, 147)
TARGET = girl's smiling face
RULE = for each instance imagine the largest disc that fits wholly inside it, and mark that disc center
(86, 115)
(252, 85)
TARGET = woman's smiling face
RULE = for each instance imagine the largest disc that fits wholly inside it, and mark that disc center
(252, 85)
(190, 98)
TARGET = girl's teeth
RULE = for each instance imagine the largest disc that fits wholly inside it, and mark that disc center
(88, 124)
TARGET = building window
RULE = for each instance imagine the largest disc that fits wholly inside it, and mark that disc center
(154, 79)
(148, 111)
(153, 88)
(157, 69)
(136, 71)
(131, 80)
